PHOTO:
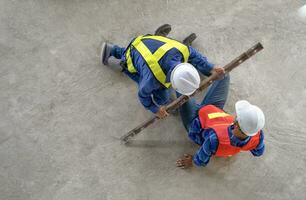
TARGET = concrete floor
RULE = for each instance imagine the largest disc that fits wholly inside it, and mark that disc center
(62, 112)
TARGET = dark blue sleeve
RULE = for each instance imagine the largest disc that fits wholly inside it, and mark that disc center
(195, 131)
(144, 95)
(200, 62)
(209, 147)
(259, 150)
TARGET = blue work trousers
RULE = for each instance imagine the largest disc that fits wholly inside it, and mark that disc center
(216, 95)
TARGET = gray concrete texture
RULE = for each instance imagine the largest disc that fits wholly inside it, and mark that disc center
(62, 112)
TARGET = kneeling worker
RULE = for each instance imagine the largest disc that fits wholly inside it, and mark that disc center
(217, 132)
(156, 63)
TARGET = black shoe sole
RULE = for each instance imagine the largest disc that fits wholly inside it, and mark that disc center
(163, 30)
(189, 39)
(102, 55)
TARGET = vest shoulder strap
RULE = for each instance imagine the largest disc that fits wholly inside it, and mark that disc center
(211, 115)
(129, 62)
(169, 44)
(152, 60)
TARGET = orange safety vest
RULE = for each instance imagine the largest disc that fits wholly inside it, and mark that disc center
(215, 118)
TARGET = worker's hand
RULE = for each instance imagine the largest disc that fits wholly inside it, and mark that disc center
(162, 113)
(184, 162)
(219, 71)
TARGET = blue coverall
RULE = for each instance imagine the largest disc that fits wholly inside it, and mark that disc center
(207, 138)
(148, 86)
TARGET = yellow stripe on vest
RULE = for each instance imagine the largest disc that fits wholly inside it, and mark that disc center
(160, 52)
(153, 63)
(152, 59)
(129, 61)
(175, 44)
(217, 114)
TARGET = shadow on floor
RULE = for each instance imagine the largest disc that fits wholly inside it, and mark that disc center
(158, 144)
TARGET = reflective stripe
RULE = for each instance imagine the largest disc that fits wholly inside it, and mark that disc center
(152, 59)
(153, 63)
(223, 124)
(129, 61)
(217, 114)
(160, 52)
(175, 44)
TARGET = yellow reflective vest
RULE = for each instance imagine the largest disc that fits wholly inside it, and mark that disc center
(153, 59)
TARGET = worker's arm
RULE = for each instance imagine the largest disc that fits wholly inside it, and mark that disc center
(195, 131)
(259, 150)
(206, 138)
(144, 95)
(146, 88)
(208, 148)
(200, 62)
(202, 156)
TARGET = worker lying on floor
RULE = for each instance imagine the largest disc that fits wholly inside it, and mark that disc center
(156, 63)
(217, 132)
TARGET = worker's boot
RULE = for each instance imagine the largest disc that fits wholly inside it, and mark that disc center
(106, 49)
(163, 30)
(189, 39)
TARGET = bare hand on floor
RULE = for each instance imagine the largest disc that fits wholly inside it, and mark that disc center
(184, 162)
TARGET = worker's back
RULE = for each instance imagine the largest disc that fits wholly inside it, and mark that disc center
(171, 58)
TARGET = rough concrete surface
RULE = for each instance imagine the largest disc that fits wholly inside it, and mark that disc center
(61, 112)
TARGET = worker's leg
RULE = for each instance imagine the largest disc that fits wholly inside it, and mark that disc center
(217, 92)
(117, 52)
(188, 112)
(108, 50)
(133, 76)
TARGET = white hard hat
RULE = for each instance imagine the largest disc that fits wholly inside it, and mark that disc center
(250, 118)
(185, 79)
